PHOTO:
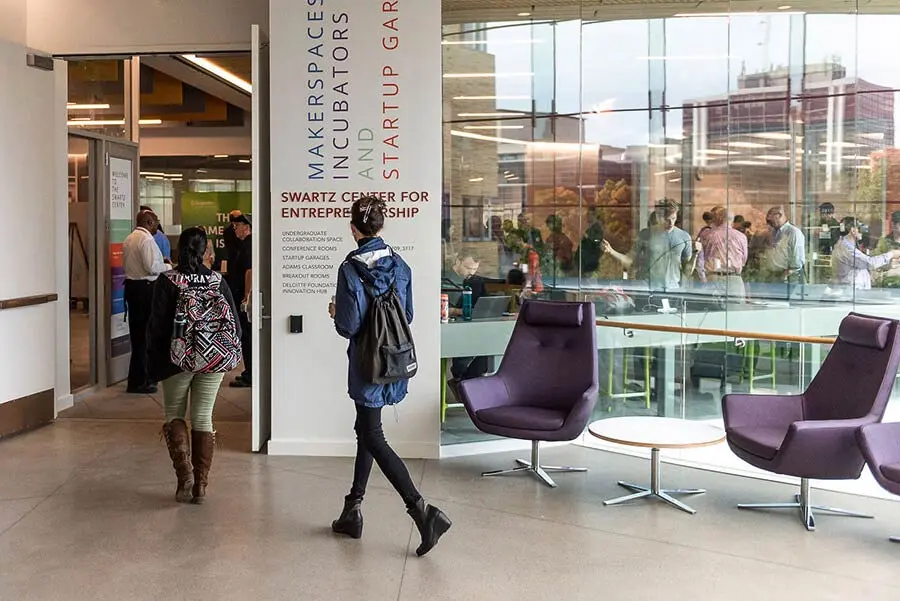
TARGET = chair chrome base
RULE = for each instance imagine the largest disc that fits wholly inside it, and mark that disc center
(655, 491)
(802, 502)
(535, 468)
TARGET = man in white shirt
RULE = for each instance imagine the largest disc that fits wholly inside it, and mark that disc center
(143, 263)
(851, 265)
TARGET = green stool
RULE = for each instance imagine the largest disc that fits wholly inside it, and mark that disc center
(750, 364)
(628, 395)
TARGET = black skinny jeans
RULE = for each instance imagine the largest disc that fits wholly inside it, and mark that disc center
(371, 445)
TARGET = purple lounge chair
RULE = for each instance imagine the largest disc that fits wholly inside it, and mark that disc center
(813, 435)
(547, 384)
(880, 444)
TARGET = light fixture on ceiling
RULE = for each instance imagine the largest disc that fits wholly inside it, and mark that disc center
(843, 144)
(220, 156)
(785, 7)
(245, 161)
(773, 135)
(749, 145)
(218, 71)
(473, 136)
(74, 106)
(493, 42)
(750, 163)
(492, 98)
(524, 14)
(101, 122)
(475, 180)
(498, 126)
(486, 75)
(492, 115)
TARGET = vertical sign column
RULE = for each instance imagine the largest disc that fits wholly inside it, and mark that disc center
(120, 207)
(356, 109)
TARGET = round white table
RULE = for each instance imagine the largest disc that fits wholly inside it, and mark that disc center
(656, 433)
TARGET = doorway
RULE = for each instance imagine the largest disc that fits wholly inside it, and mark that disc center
(82, 329)
(102, 202)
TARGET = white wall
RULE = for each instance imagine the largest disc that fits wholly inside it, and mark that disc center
(12, 20)
(311, 412)
(142, 26)
(31, 118)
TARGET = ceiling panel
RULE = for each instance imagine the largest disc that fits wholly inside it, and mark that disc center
(486, 11)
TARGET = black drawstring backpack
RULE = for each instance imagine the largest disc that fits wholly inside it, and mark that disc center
(385, 351)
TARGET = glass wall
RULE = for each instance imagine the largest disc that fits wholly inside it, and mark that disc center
(732, 171)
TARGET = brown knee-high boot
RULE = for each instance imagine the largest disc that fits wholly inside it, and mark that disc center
(176, 435)
(203, 445)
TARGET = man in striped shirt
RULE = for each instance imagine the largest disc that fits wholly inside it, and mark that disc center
(725, 255)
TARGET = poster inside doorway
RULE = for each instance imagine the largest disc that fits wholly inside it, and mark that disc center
(210, 210)
(121, 203)
(356, 110)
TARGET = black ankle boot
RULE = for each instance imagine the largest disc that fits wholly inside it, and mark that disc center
(351, 520)
(431, 522)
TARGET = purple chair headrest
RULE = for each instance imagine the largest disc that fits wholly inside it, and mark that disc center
(553, 314)
(870, 332)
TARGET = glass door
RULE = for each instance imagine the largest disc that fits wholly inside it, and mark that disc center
(82, 192)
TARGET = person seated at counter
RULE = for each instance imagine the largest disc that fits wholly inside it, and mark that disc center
(663, 253)
(725, 255)
(465, 275)
(889, 277)
(851, 265)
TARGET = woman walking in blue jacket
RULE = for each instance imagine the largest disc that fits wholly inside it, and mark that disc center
(382, 269)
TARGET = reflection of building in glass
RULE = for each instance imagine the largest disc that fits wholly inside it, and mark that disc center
(823, 122)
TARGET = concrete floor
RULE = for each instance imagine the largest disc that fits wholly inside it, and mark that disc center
(86, 514)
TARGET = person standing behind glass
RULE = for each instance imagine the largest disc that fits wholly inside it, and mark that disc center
(663, 253)
(851, 266)
(787, 256)
(725, 254)
(591, 248)
(890, 278)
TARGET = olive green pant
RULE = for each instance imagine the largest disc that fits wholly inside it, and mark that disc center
(202, 388)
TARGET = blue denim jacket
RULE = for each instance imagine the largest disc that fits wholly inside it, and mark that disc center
(381, 268)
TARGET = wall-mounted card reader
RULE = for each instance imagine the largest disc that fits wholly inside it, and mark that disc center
(296, 324)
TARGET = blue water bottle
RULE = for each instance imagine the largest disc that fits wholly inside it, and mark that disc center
(467, 304)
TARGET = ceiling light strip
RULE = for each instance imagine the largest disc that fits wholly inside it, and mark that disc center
(219, 71)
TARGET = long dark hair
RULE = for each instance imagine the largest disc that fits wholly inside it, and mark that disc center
(191, 248)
